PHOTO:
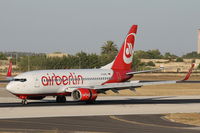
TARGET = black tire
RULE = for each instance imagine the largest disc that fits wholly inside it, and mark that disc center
(90, 102)
(60, 99)
(24, 102)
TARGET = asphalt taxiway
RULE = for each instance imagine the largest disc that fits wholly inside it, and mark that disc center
(141, 114)
(105, 105)
(108, 124)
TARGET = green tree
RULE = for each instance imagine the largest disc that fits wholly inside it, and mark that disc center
(179, 59)
(154, 54)
(136, 62)
(109, 48)
(3, 56)
(83, 60)
(36, 62)
(108, 53)
(142, 54)
(169, 56)
(94, 61)
(150, 63)
(150, 54)
(191, 55)
(105, 59)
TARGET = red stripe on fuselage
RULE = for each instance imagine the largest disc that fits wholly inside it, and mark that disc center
(47, 94)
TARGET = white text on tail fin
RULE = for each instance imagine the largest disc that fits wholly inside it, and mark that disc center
(123, 60)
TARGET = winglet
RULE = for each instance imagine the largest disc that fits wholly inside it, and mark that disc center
(9, 73)
(189, 73)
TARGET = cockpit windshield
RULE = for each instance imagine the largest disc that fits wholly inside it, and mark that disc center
(21, 80)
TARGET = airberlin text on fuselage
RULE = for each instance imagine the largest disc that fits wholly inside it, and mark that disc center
(53, 79)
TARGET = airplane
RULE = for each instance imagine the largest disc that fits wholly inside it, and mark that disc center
(82, 84)
(9, 74)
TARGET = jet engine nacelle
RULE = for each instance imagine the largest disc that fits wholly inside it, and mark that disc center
(82, 94)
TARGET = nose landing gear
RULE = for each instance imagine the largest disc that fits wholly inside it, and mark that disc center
(24, 101)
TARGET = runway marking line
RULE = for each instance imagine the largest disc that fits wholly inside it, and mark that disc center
(145, 124)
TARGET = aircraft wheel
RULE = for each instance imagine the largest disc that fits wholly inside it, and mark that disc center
(24, 101)
(90, 102)
(60, 99)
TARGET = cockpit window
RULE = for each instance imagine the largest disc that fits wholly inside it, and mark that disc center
(21, 80)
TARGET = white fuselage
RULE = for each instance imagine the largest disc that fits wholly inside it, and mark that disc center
(57, 81)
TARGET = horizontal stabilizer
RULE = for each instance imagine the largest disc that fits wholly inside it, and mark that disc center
(145, 71)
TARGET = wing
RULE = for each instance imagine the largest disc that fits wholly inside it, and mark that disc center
(115, 87)
(128, 85)
(134, 84)
(145, 71)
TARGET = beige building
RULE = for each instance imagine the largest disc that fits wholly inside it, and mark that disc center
(57, 54)
(198, 50)
(172, 66)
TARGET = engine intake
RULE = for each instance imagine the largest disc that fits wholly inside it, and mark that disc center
(82, 94)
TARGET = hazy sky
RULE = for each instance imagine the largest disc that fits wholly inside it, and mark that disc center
(74, 25)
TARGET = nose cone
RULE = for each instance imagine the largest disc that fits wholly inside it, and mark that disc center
(10, 87)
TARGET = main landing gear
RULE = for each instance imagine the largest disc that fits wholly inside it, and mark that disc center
(60, 99)
(90, 102)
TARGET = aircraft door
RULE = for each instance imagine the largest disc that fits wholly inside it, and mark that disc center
(36, 82)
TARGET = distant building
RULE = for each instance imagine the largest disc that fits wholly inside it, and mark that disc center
(57, 54)
(198, 50)
(173, 66)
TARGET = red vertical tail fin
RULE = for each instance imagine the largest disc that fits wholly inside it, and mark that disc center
(123, 60)
(9, 73)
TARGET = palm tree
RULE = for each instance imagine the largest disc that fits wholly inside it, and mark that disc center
(109, 48)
